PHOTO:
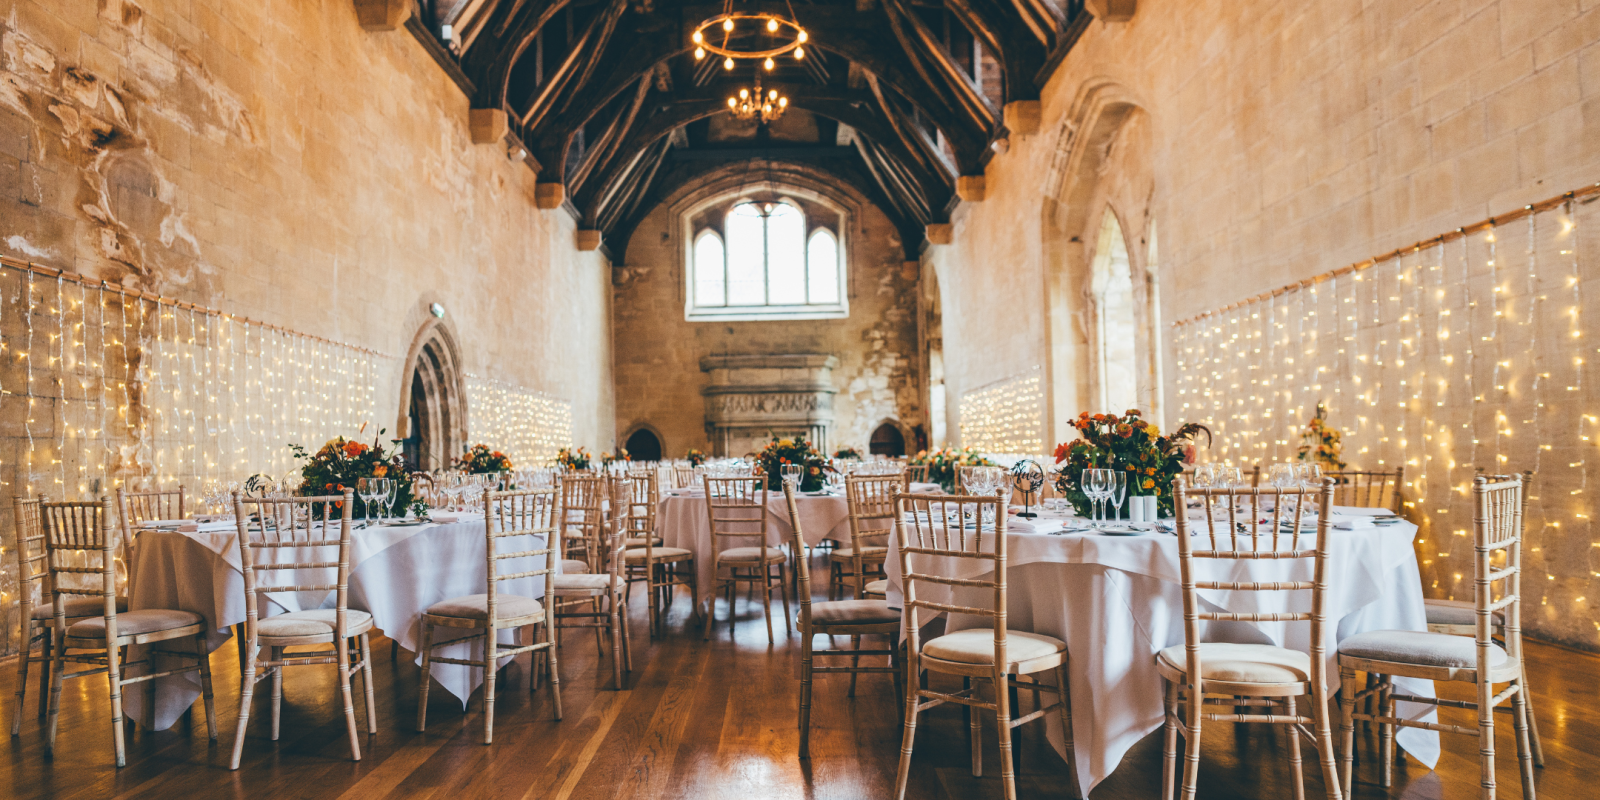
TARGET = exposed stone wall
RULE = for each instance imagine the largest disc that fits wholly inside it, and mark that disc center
(1285, 139)
(272, 159)
(658, 352)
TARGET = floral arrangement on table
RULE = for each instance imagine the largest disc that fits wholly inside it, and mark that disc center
(341, 463)
(943, 464)
(479, 459)
(847, 452)
(1130, 444)
(607, 459)
(569, 458)
(1321, 443)
(694, 457)
(781, 452)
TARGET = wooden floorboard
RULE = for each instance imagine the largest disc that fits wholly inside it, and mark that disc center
(710, 720)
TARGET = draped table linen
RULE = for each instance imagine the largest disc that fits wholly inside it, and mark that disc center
(1117, 601)
(396, 572)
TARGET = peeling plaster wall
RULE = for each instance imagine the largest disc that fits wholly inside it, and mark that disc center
(271, 159)
(658, 352)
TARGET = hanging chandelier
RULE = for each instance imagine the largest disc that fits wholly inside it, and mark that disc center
(754, 105)
(741, 35)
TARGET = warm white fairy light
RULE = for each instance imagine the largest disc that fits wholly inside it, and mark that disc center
(1393, 349)
(527, 425)
(1006, 416)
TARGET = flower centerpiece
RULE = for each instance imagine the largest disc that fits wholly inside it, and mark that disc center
(781, 452)
(479, 459)
(694, 457)
(1129, 444)
(573, 458)
(943, 464)
(341, 463)
(607, 459)
(1321, 443)
(847, 452)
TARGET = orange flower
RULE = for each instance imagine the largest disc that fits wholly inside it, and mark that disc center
(354, 449)
(380, 471)
(1149, 484)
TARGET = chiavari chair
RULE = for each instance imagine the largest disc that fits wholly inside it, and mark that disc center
(1460, 618)
(136, 508)
(517, 514)
(1237, 527)
(737, 509)
(682, 476)
(853, 618)
(1367, 488)
(583, 518)
(79, 541)
(870, 499)
(34, 619)
(602, 592)
(1497, 534)
(274, 534)
(917, 473)
(646, 560)
(944, 540)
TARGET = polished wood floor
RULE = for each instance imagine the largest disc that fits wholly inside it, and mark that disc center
(697, 720)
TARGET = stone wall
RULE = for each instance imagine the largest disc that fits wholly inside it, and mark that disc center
(1263, 143)
(658, 351)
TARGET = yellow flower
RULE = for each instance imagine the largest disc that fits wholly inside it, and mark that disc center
(1148, 484)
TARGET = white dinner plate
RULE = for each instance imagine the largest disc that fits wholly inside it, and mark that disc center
(1120, 531)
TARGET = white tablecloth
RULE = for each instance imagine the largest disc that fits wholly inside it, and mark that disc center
(396, 572)
(1117, 601)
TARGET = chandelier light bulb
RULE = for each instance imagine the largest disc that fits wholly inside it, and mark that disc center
(699, 53)
(802, 37)
(744, 93)
(727, 25)
(727, 63)
(773, 94)
(772, 26)
(698, 37)
(799, 53)
(783, 102)
(770, 64)
(731, 103)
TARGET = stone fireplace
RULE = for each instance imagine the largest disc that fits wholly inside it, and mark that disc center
(751, 398)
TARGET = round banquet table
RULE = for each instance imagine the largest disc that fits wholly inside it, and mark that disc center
(1117, 601)
(682, 521)
(396, 571)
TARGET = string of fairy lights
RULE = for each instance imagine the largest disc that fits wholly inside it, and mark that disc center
(102, 388)
(1463, 354)
(1006, 416)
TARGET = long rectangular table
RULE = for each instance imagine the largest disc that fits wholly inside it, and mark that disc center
(397, 571)
(1117, 601)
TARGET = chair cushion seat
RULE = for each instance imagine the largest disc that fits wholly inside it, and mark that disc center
(878, 587)
(316, 622)
(976, 646)
(1422, 648)
(1456, 612)
(476, 606)
(853, 612)
(658, 554)
(133, 623)
(641, 541)
(583, 581)
(573, 566)
(1242, 663)
(79, 607)
(869, 552)
(751, 555)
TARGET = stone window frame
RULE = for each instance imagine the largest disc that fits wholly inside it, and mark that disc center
(722, 203)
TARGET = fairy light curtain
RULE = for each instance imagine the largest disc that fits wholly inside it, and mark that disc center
(1006, 416)
(1465, 353)
(527, 425)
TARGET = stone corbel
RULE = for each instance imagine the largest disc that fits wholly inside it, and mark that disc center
(1112, 10)
(487, 125)
(548, 195)
(1021, 117)
(970, 188)
(382, 15)
(588, 239)
(940, 233)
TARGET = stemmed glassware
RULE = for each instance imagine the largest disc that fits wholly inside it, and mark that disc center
(1094, 483)
(791, 476)
(1119, 491)
(1310, 477)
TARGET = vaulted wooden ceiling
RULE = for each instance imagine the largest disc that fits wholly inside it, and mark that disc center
(895, 97)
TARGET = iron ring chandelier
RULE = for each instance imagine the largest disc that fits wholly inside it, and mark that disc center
(729, 22)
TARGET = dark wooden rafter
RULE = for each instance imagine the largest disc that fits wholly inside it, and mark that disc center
(571, 79)
(944, 78)
(499, 42)
(605, 145)
(1012, 42)
(1042, 18)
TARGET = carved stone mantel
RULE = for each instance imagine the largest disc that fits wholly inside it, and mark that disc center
(751, 396)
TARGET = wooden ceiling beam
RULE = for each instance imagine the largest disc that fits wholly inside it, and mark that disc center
(499, 43)
(1019, 52)
(944, 78)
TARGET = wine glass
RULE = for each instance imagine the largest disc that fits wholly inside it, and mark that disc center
(1118, 491)
(1310, 477)
(1089, 482)
(791, 476)
(367, 490)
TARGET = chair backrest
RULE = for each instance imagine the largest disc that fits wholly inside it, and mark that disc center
(1499, 503)
(682, 476)
(1368, 489)
(274, 533)
(871, 503)
(27, 527)
(737, 508)
(917, 473)
(1254, 475)
(134, 508)
(1236, 525)
(945, 540)
(582, 511)
(78, 541)
(634, 500)
(521, 513)
(802, 570)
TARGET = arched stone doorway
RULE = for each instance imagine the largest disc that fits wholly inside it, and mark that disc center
(643, 445)
(887, 440)
(433, 400)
